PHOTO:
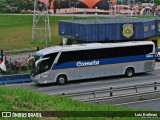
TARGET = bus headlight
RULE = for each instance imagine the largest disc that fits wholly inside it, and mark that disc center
(45, 75)
(37, 77)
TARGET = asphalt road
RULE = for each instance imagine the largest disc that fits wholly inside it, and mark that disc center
(153, 104)
(100, 83)
(93, 84)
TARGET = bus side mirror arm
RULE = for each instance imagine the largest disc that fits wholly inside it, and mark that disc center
(38, 61)
(30, 59)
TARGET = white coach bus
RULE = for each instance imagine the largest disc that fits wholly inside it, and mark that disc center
(75, 62)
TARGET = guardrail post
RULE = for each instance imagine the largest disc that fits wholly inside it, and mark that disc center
(136, 89)
(111, 94)
(155, 87)
(94, 93)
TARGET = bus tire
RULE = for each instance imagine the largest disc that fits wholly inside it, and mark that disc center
(61, 79)
(129, 72)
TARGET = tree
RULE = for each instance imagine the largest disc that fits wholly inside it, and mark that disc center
(25, 5)
(13, 5)
(16, 6)
(56, 5)
(157, 2)
(3, 5)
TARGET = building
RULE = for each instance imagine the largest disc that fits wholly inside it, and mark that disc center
(111, 29)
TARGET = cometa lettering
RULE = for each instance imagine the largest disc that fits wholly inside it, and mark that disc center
(93, 63)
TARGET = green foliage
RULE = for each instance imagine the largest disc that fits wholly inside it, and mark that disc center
(14, 99)
(3, 4)
(16, 32)
(72, 40)
(157, 2)
(56, 4)
(16, 6)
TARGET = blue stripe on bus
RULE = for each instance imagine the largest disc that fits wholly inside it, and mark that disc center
(105, 61)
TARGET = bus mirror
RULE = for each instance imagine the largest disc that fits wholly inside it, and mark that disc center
(31, 62)
(32, 58)
(40, 60)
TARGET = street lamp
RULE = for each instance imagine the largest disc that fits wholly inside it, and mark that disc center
(95, 9)
(115, 8)
(95, 13)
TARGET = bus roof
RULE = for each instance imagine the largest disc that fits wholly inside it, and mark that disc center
(87, 46)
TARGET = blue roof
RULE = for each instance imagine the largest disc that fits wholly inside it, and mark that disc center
(104, 20)
(104, 29)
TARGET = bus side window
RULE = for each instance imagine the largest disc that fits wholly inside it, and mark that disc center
(102, 53)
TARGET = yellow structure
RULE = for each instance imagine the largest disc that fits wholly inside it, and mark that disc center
(156, 37)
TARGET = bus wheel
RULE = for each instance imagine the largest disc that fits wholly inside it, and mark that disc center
(61, 79)
(129, 72)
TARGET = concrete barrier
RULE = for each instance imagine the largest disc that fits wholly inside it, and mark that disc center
(16, 78)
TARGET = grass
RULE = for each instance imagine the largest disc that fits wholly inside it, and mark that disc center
(16, 31)
(16, 99)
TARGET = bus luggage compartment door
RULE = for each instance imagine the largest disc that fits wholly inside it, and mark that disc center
(80, 73)
(92, 72)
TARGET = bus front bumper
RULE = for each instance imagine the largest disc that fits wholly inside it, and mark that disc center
(38, 79)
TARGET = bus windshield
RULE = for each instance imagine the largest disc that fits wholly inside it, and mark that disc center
(43, 64)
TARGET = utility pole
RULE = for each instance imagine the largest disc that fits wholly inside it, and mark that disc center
(41, 26)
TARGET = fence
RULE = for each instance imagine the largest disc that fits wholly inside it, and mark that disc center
(16, 61)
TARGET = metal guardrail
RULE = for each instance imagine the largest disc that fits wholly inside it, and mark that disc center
(116, 91)
(16, 78)
(118, 100)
